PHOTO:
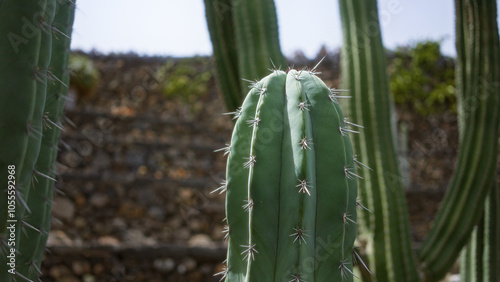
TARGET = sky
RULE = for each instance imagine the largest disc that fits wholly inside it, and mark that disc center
(178, 27)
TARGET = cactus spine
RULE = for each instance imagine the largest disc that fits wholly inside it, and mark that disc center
(244, 37)
(291, 184)
(39, 49)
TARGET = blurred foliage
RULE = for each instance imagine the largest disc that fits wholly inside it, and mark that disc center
(84, 76)
(186, 78)
(421, 78)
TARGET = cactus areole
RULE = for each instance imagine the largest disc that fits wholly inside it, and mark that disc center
(291, 183)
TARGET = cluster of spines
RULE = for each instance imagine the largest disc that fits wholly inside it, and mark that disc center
(299, 234)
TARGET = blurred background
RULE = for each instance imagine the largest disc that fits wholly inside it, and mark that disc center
(144, 117)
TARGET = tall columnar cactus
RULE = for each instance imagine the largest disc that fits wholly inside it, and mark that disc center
(34, 79)
(386, 230)
(20, 24)
(32, 241)
(477, 79)
(245, 40)
(481, 258)
(291, 184)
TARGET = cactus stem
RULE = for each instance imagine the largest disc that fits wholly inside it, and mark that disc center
(222, 188)
(346, 219)
(304, 106)
(344, 269)
(248, 207)
(253, 122)
(299, 235)
(304, 187)
(249, 252)
(250, 163)
(349, 174)
(304, 143)
(236, 113)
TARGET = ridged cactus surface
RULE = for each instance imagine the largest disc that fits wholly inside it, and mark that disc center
(245, 41)
(34, 79)
(291, 184)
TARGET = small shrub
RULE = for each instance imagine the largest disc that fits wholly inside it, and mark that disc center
(84, 76)
(421, 78)
(186, 78)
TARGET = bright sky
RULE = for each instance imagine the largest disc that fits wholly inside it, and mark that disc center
(178, 27)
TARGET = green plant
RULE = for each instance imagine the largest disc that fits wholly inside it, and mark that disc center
(291, 184)
(477, 77)
(245, 41)
(364, 74)
(187, 78)
(422, 79)
(35, 79)
(84, 76)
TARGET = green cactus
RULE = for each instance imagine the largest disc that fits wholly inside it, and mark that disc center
(291, 184)
(479, 261)
(245, 40)
(18, 79)
(35, 80)
(32, 241)
(364, 74)
(391, 256)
